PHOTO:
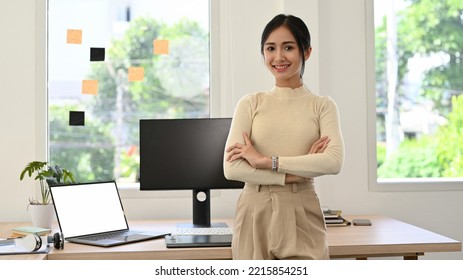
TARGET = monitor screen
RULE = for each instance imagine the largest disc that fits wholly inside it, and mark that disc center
(185, 154)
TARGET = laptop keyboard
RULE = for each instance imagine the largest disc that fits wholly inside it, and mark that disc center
(110, 235)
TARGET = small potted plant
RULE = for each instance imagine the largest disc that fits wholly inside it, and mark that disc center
(47, 175)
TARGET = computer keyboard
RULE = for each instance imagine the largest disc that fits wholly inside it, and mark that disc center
(184, 237)
(203, 231)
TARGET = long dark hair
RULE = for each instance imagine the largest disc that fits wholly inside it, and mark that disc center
(296, 26)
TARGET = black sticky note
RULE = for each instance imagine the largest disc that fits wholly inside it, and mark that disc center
(97, 54)
(76, 118)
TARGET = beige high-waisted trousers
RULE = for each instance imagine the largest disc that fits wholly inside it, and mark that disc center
(275, 222)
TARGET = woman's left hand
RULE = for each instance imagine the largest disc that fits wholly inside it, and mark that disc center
(320, 145)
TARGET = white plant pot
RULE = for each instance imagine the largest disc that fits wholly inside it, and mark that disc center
(42, 215)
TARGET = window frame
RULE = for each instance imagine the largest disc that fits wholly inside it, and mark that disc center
(127, 190)
(131, 189)
(399, 184)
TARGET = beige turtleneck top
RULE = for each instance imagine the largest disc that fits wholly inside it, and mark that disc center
(285, 122)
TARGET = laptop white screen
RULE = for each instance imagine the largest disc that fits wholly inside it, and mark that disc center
(91, 208)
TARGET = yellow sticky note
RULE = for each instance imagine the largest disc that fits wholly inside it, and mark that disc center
(90, 86)
(161, 47)
(74, 36)
(136, 74)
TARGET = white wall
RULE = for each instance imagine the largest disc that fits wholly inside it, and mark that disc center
(17, 109)
(337, 68)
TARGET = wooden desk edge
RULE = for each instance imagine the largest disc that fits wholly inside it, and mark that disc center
(370, 251)
(25, 257)
(159, 252)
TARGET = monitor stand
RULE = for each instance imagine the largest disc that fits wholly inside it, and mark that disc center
(201, 218)
(201, 211)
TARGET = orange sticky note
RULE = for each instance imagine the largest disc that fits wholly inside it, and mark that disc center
(136, 74)
(90, 86)
(161, 47)
(74, 36)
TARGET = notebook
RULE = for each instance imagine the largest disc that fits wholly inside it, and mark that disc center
(92, 214)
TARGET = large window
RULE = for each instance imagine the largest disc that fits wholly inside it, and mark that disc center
(114, 62)
(419, 87)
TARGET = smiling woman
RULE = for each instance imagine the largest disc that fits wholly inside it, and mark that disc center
(283, 58)
(285, 48)
(279, 140)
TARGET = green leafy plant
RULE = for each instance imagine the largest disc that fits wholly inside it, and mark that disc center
(47, 175)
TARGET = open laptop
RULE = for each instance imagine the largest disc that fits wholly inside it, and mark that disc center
(92, 214)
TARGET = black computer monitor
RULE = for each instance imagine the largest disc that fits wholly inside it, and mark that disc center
(185, 154)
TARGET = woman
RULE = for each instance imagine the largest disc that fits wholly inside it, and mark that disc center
(279, 141)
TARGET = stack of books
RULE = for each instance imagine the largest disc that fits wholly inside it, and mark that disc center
(334, 218)
(9, 246)
(19, 232)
